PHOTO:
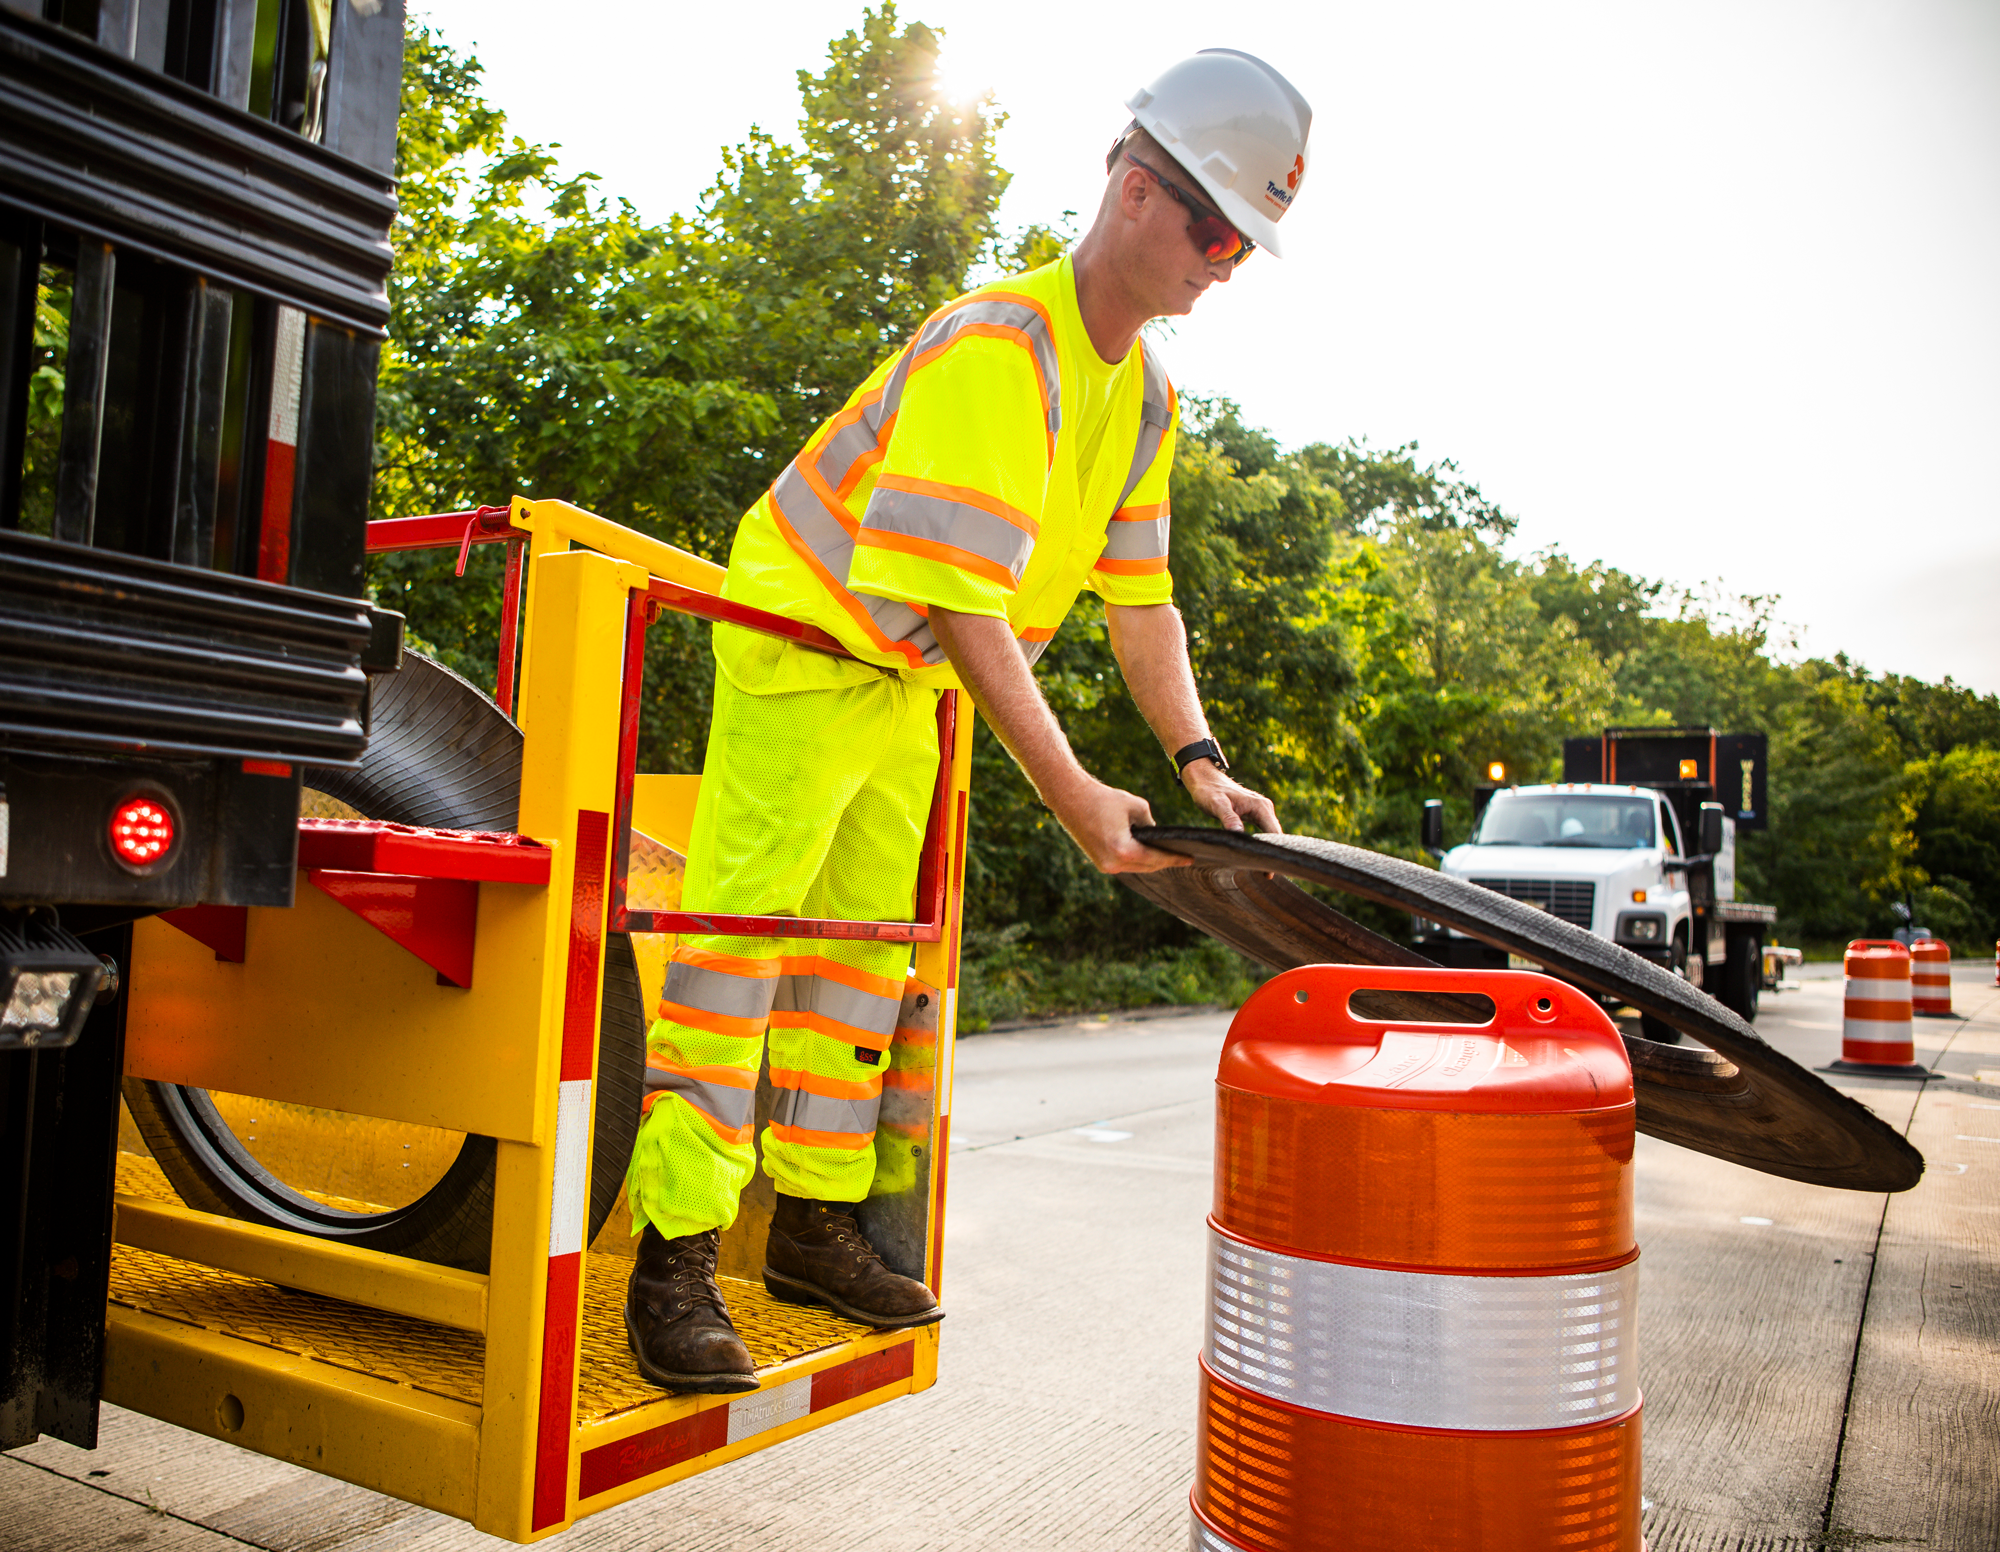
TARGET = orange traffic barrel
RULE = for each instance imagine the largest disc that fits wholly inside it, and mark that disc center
(1930, 979)
(1876, 1038)
(1423, 1272)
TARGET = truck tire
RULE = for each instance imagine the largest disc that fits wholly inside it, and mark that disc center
(1743, 979)
(440, 755)
(1659, 1030)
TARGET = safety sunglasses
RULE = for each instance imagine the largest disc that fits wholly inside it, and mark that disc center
(1216, 238)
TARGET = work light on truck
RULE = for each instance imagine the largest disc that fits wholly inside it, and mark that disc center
(48, 981)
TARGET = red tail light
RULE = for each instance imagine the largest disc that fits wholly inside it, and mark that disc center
(142, 832)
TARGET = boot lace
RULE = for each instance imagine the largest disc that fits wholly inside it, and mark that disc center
(846, 1235)
(690, 1279)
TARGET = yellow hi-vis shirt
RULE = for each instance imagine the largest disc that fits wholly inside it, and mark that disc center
(995, 465)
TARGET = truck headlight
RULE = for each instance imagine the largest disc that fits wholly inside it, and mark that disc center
(1642, 927)
(48, 981)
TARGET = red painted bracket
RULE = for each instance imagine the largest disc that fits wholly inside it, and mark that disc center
(436, 919)
(375, 846)
(223, 928)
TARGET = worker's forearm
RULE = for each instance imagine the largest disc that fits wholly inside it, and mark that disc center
(1150, 643)
(989, 662)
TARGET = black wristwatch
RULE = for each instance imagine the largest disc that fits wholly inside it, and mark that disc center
(1206, 749)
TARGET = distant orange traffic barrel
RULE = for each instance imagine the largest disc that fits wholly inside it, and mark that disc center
(1876, 1038)
(1930, 979)
(1423, 1276)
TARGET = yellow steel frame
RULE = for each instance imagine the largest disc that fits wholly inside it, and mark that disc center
(325, 1011)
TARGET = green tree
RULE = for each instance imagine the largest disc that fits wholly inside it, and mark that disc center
(1253, 535)
(546, 340)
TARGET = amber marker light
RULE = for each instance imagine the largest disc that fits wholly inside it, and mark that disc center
(1687, 770)
(1496, 772)
(1638, 897)
(142, 832)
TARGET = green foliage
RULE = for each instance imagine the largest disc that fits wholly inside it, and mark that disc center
(42, 436)
(1361, 634)
(546, 340)
(1006, 976)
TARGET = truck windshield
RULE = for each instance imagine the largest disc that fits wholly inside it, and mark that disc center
(1558, 819)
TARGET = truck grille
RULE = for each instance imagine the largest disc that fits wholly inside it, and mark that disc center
(1573, 902)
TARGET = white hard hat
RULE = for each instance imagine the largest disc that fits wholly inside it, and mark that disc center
(1239, 128)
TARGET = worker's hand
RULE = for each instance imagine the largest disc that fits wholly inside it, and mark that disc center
(1100, 820)
(1230, 801)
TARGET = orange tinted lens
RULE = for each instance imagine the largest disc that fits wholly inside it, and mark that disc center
(1217, 239)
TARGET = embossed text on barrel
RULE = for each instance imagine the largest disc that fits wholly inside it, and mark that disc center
(1423, 1274)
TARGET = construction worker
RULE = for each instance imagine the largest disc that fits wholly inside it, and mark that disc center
(1016, 451)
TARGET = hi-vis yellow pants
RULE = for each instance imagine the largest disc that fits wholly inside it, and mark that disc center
(813, 803)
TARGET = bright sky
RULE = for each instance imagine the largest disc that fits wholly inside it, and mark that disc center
(1707, 289)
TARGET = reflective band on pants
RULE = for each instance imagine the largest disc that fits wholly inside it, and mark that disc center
(731, 1106)
(1424, 1349)
(823, 1113)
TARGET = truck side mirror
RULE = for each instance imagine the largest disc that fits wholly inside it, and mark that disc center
(1433, 826)
(1711, 829)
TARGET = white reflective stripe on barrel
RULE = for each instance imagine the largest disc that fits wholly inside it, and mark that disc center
(1859, 990)
(1424, 1349)
(1203, 1539)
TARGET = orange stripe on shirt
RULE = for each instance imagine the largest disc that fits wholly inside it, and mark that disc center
(858, 470)
(943, 554)
(964, 496)
(1132, 568)
(1139, 514)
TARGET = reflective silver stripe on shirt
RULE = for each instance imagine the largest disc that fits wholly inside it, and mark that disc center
(958, 524)
(1030, 650)
(1012, 315)
(718, 992)
(866, 1013)
(827, 539)
(1156, 413)
(1202, 1539)
(1136, 538)
(1424, 1349)
(820, 1113)
(733, 1107)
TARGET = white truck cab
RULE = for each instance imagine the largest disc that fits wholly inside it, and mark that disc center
(1648, 862)
(1608, 859)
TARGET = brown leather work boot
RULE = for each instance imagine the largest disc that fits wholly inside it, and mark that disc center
(816, 1255)
(675, 1319)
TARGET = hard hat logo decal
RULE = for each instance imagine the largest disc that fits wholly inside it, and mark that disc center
(1298, 171)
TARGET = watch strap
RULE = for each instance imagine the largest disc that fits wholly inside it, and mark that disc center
(1202, 749)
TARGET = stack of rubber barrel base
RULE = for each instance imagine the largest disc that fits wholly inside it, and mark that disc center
(1877, 1039)
(1423, 1274)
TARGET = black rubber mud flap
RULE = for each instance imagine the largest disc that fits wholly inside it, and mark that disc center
(1740, 1100)
(441, 755)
